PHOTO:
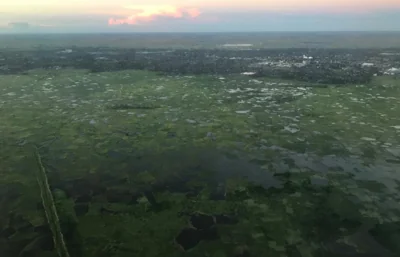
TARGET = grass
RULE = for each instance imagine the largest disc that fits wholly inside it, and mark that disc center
(209, 138)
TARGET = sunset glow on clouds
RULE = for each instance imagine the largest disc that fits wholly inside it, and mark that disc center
(202, 15)
(148, 13)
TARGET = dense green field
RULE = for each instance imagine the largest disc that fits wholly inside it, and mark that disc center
(149, 165)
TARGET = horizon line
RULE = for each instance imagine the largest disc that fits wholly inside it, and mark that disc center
(197, 32)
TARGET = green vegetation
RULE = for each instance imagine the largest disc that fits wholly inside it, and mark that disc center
(149, 165)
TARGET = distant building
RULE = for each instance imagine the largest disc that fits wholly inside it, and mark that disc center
(66, 51)
(367, 64)
(248, 73)
(307, 59)
(392, 71)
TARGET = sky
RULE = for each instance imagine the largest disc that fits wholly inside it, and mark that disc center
(81, 16)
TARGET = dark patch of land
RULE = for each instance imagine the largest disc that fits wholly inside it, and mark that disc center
(327, 66)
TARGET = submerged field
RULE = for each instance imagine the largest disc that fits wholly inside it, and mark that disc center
(153, 165)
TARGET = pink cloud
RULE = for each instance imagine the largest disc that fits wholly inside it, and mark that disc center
(207, 19)
(193, 12)
(145, 14)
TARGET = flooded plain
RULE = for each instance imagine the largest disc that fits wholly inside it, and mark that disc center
(150, 164)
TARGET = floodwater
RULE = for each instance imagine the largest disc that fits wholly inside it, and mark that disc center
(135, 156)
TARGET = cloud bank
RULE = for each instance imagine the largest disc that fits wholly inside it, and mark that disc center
(149, 13)
(203, 16)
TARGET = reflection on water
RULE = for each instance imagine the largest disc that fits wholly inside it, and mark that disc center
(200, 199)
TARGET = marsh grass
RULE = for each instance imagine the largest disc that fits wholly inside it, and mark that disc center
(137, 174)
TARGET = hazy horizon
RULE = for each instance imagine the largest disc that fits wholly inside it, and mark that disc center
(199, 32)
(122, 16)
